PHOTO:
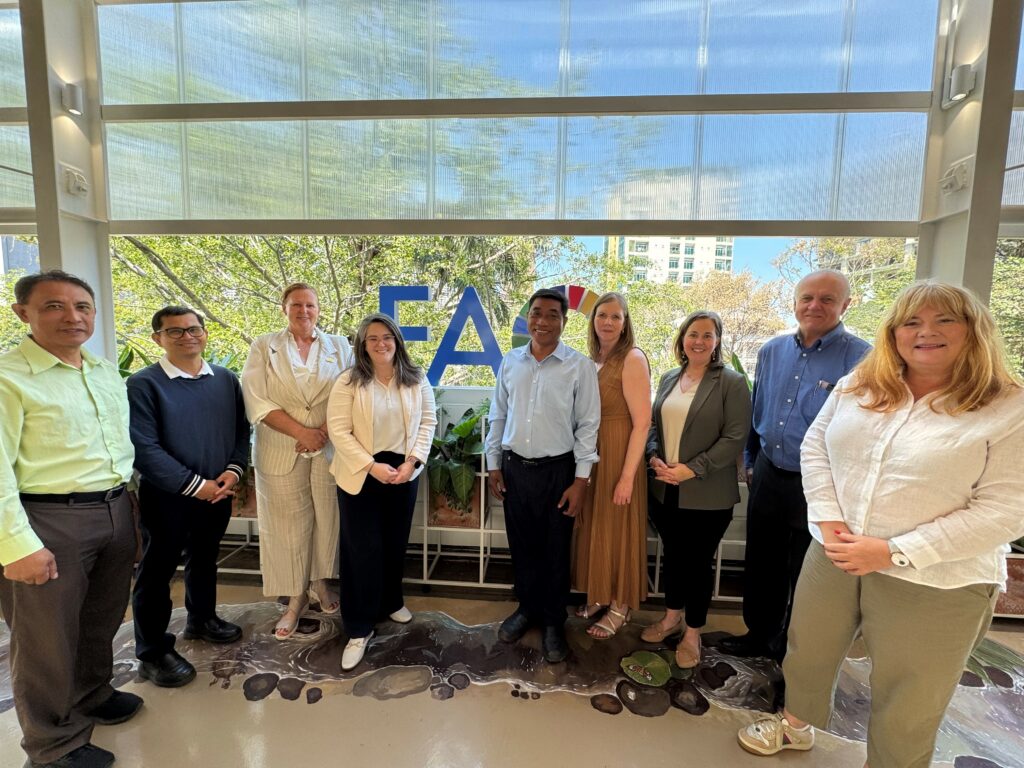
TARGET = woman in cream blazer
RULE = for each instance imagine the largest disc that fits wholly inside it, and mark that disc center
(381, 419)
(286, 382)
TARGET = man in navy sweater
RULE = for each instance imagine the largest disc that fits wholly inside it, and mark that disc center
(191, 442)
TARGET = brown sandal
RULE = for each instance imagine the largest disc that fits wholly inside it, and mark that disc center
(655, 633)
(688, 657)
(609, 625)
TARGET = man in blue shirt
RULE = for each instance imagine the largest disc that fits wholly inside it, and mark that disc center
(795, 375)
(191, 441)
(540, 448)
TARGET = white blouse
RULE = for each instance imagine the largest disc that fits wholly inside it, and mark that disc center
(388, 420)
(305, 370)
(947, 490)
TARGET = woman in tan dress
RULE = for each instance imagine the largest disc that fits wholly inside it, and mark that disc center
(610, 556)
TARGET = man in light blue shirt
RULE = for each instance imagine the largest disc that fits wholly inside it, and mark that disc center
(795, 374)
(540, 448)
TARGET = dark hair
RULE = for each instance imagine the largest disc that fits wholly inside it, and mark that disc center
(550, 293)
(626, 340)
(23, 288)
(175, 310)
(409, 374)
(290, 289)
(677, 345)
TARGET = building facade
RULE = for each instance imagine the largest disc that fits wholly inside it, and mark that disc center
(672, 259)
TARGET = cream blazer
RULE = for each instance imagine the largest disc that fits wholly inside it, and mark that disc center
(268, 384)
(350, 425)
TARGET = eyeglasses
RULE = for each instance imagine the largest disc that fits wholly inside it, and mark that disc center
(195, 331)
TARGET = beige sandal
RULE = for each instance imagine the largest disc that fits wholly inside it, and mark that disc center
(591, 611)
(608, 625)
(285, 628)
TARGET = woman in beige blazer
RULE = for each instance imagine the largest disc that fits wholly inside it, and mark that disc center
(286, 382)
(381, 419)
(700, 422)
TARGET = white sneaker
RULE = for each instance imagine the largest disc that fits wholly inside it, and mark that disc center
(355, 648)
(771, 735)
(403, 615)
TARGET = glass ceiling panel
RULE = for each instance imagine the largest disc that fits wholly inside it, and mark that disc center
(754, 167)
(284, 50)
(16, 188)
(12, 66)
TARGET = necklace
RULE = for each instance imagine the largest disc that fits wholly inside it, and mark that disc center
(688, 382)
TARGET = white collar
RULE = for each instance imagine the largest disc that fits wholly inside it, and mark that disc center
(173, 372)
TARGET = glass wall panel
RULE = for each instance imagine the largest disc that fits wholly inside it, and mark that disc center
(12, 66)
(882, 166)
(145, 166)
(368, 169)
(630, 167)
(279, 50)
(139, 54)
(634, 47)
(1013, 181)
(654, 167)
(16, 188)
(758, 47)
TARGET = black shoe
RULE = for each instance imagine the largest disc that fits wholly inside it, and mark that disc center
(86, 756)
(213, 630)
(744, 646)
(120, 707)
(172, 670)
(513, 628)
(555, 648)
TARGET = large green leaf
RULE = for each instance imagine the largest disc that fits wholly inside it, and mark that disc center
(466, 427)
(463, 478)
(438, 474)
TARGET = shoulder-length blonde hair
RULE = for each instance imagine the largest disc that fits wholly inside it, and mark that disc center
(361, 373)
(627, 340)
(979, 374)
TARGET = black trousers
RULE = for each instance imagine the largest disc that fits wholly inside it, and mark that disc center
(374, 534)
(777, 540)
(690, 539)
(173, 524)
(539, 534)
(62, 631)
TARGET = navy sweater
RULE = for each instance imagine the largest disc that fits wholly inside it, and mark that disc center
(187, 430)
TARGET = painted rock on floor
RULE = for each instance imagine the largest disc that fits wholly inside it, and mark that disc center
(259, 686)
(393, 682)
(684, 695)
(290, 688)
(313, 695)
(605, 702)
(642, 700)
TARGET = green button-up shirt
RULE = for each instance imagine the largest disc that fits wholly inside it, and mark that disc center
(62, 430)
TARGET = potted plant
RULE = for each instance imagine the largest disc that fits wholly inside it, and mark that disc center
(452, 468)
(1011, 602)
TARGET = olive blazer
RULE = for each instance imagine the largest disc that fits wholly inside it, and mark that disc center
(714, 434)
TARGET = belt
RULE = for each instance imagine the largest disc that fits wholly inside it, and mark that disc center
(71, 499)
(539, 461)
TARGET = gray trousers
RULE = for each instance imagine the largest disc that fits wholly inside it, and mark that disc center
(62, 631)
(918, 637)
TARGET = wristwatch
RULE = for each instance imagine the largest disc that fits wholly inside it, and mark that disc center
(897, 557)
(415, 462)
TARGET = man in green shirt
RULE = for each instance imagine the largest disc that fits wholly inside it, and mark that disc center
(67, 534)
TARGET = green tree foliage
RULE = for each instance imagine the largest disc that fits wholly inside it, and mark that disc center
(1007, 301)
(236, 282)
(878, 268)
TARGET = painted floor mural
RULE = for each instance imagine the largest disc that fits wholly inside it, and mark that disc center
(437, 656)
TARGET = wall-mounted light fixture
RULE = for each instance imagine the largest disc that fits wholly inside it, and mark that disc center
(958, 79)
(72, 99)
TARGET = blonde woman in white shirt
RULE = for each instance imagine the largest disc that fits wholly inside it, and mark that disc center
(913, 478)
(381, 420)
(286, 381)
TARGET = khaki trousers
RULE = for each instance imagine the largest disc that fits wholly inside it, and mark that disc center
(918, 638)
(298, 520)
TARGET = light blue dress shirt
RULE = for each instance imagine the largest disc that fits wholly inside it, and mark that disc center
(545, 408)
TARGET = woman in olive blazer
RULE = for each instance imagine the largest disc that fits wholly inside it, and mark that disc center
(699, 425)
